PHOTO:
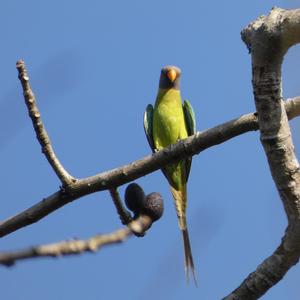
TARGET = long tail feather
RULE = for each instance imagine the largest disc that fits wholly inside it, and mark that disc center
(188, 257)
(180, 199)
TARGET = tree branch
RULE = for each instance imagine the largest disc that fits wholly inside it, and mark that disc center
(268, 39)
(122, 175)
(123, 213)
(72, 247)
(39, 128)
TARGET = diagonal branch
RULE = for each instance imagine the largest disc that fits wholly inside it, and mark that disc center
(123, 213)
(122, 175)
(268, 39)
(39, 128)
(73, 247)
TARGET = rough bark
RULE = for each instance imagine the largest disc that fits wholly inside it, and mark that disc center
(268, 39)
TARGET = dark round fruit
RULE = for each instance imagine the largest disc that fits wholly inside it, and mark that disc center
(153, 206)
(134, 198)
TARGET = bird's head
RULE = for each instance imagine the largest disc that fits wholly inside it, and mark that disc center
(169, 77)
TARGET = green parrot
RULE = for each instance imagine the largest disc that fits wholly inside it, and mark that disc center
(165, 124)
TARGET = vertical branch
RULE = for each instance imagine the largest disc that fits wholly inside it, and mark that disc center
(268, 39)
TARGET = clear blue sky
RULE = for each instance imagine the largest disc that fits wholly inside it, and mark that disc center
(94, 66)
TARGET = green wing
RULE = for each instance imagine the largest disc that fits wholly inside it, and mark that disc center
(148, 125)
(189, 116)
(190, 122)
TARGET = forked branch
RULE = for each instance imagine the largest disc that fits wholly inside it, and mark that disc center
(124, 174)
(268, 39)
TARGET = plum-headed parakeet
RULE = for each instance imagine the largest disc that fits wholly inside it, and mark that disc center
(165, 124)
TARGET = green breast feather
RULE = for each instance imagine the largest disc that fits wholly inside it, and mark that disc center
(165, 124)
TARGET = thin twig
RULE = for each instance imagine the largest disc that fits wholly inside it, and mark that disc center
(122, 175)
(75, 247)
(39, 128)
(123, 213)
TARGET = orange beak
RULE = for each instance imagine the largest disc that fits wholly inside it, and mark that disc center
(172, 75)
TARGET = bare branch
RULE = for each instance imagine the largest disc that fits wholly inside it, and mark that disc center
(269, 38)
(124, 215)
(122, 175)
(39, 128)
(73, 247)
